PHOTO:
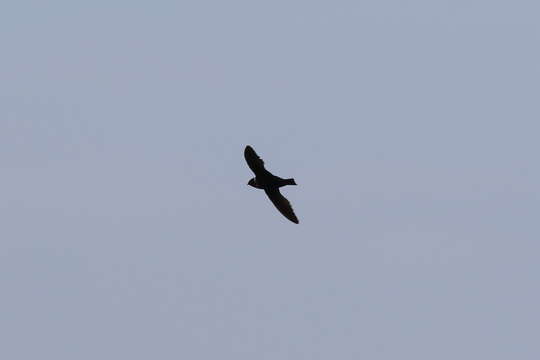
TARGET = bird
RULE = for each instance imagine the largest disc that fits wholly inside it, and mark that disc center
(270, 183)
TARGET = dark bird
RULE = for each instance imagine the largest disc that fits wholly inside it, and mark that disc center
(270, 183)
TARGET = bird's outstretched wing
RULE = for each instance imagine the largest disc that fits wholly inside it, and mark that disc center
(282, 204)
(255, 163)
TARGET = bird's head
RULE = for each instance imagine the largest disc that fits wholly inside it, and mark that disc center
(251, 182)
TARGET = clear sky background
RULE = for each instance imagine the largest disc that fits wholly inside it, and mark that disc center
(127, 228)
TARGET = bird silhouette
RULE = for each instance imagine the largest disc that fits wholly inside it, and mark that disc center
(270, 183)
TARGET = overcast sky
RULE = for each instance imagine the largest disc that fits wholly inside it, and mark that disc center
(127, 228)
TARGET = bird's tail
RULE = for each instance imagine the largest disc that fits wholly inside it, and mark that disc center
(287, 182)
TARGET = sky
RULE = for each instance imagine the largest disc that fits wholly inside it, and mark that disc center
(129, 232)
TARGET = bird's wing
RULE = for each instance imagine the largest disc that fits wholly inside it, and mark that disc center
(282, 204)
(255, 163)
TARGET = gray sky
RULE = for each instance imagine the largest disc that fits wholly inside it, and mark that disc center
(128, 231)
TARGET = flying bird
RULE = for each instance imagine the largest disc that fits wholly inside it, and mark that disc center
(270, 183)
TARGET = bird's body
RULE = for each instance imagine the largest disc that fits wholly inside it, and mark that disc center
(270, 183)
